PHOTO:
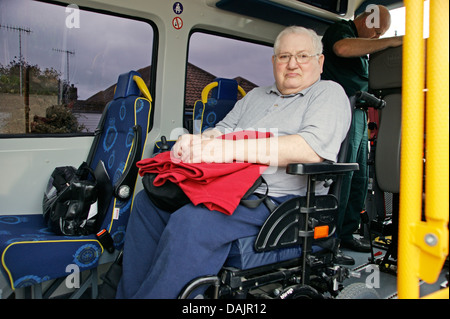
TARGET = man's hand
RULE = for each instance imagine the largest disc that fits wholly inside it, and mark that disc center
(200, 148)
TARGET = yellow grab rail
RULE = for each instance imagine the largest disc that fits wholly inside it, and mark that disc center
(143, 87)
(435, 247)
(423, 246)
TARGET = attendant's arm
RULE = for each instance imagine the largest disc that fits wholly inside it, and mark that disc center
(356, 47)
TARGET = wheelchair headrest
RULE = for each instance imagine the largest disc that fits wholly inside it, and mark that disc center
(130, 84)
(385, 69)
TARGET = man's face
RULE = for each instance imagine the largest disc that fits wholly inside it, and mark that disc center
(372, 33)
(293, 77)
(375, 30)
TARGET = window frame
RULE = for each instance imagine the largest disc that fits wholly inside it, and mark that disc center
(218, 34)
(153, 65)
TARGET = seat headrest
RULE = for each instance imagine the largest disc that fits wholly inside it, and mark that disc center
(126, 86)
(227, 89)
(385, 69)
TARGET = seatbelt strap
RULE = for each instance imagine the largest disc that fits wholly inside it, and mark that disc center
(253, 203)
(105, 239)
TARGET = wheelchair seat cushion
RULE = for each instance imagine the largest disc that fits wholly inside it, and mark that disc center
(243, 256)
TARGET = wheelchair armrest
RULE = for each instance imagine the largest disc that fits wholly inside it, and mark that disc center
(320, 168)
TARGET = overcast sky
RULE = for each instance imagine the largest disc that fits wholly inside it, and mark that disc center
(230, 58)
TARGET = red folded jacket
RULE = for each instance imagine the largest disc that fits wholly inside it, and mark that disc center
(219, 186)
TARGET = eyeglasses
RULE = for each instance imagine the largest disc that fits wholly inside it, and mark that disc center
(300, 57)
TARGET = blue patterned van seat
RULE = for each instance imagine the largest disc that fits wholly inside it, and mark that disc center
(30, 253)
(208, 111)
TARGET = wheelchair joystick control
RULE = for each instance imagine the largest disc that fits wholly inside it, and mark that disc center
(164, 145)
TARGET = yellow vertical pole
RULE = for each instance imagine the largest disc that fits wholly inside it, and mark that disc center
(411, 168)
(437, 165)
(423, 245)
(435, 249)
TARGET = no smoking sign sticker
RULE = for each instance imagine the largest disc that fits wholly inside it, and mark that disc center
(177, 23)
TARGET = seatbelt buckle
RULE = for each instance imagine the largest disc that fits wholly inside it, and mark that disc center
(105, 239)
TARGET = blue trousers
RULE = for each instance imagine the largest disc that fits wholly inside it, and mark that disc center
(163, 252)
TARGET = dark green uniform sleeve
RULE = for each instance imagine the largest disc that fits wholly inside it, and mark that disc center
(351, 73)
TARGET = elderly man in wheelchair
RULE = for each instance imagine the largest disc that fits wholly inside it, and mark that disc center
(286, 239)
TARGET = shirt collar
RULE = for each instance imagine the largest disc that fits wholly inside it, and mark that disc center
(274, 89)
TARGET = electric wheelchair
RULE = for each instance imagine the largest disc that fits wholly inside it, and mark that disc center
(293, 255)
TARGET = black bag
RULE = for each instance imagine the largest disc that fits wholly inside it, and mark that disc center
(67, 201)
(170, 197)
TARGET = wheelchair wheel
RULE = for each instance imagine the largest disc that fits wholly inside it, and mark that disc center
(358, 291)
(300, 292)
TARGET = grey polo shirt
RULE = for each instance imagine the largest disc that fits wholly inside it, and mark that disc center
(320, 114)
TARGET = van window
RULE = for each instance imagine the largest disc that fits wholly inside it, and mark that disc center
(398, 21)
(231, 58)
(59, 64)
(214, 56)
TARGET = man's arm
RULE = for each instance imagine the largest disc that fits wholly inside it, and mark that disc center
(356, 47)
(274, 151)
